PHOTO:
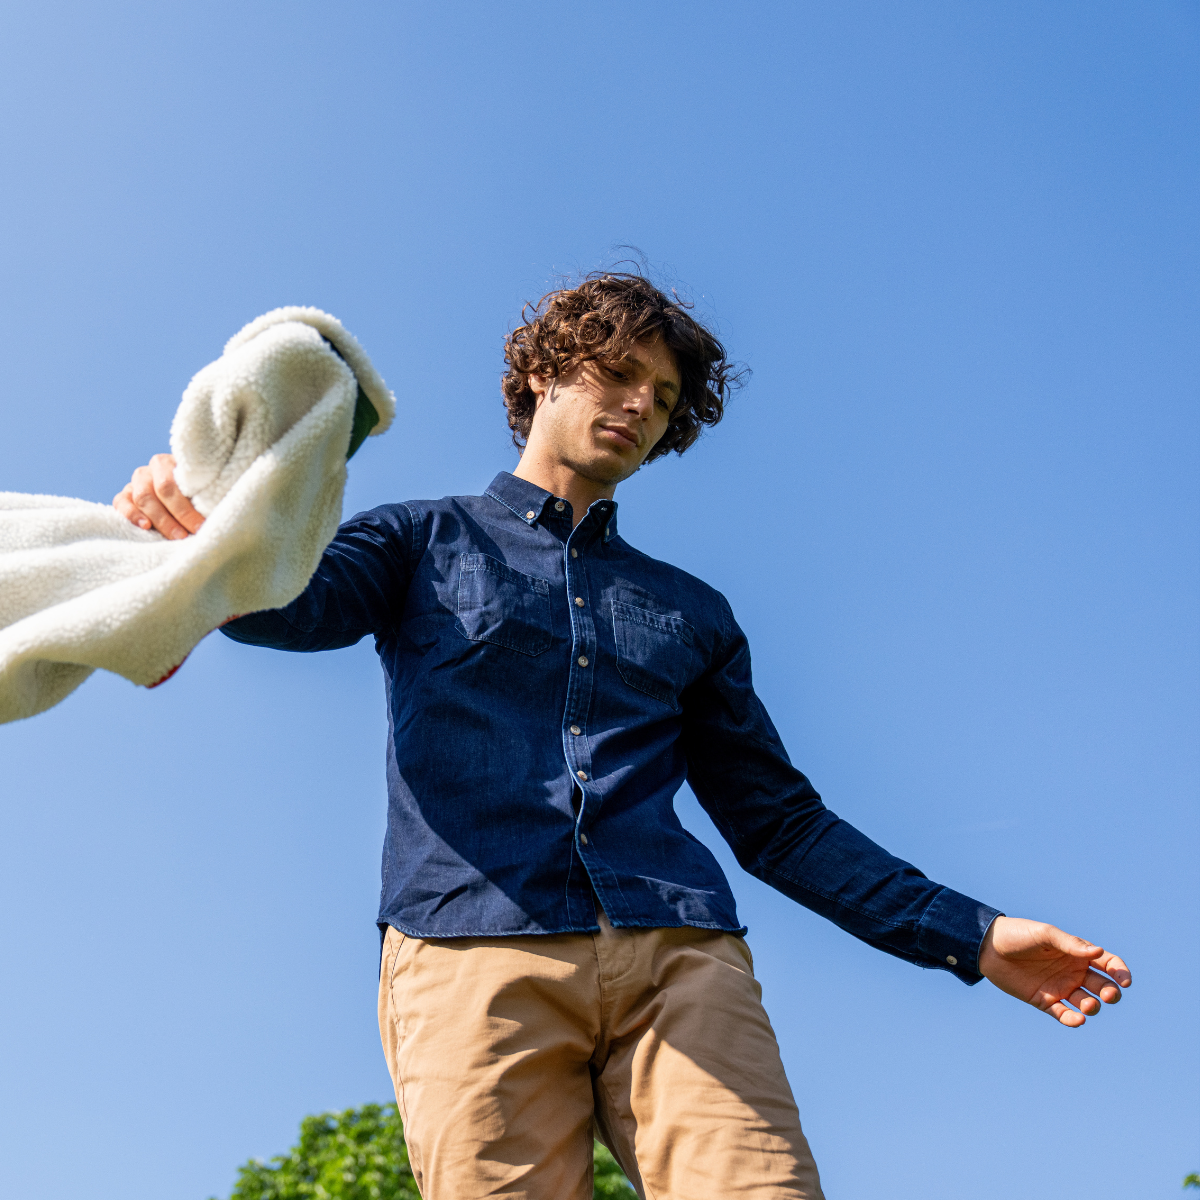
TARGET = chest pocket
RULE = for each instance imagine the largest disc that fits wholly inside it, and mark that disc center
(653, 651)
(505, 607)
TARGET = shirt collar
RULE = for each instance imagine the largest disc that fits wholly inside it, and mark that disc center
(519, 495)
(528, 501)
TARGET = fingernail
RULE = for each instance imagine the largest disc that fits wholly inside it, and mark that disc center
(179, 534)
(144, 523)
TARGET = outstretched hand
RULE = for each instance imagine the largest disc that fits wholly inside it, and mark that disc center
(1046, 967)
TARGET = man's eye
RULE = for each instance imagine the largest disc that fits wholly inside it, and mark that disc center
(661, 401)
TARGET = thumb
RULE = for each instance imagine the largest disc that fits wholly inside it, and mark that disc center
(1068, 943)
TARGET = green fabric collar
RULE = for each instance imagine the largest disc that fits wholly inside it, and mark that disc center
(366, 417)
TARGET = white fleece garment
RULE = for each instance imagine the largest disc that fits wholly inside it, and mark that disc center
(260, 443)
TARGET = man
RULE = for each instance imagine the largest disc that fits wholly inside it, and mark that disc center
(559, 953)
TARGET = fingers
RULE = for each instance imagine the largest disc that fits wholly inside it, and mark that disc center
(1108, 989)
(1110, 963)
(146, 499)
(123, 503)
(1102, 986)
(1115, 967)
(1064, 1015)
(154, 493)
(1098, 987)
(162, 467)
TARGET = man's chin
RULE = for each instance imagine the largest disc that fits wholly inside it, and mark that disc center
(608, 469)
(611, 466)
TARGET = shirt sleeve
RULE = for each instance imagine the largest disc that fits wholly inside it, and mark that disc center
(783, 834)
(358, 588)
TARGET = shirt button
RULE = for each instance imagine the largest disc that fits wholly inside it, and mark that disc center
(952, 960)
(582, 775)
(579, 601)
(576, 730)
(530, 515)
(582, 660)
(559, 506)
(583, 838)
(574, 552)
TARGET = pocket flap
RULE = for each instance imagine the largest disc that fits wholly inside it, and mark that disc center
(653, 651)
(503, 606)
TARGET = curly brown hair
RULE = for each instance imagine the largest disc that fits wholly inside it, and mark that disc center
(601, 318)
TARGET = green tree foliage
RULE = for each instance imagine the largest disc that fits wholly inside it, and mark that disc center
(610, 1182)
(1192, 1181)
(360, 1154)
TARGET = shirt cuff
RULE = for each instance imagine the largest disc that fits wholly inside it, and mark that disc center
(951, 932)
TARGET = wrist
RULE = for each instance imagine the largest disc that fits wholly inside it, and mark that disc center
(988, 956)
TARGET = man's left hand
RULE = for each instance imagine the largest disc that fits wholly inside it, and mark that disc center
(1044, 967)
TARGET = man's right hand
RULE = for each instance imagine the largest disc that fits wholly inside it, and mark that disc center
(152, 500)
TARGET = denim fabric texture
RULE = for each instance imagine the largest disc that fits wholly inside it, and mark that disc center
(549, 690)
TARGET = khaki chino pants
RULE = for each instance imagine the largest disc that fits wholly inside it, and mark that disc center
(507, 1052)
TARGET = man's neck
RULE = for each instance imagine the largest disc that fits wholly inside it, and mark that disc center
(561, 480)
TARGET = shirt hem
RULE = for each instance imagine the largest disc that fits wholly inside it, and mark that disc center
(594, 927)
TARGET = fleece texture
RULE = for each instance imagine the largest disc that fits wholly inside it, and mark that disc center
(260, 443)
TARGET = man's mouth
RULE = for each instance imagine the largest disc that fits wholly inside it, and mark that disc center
(626, 435)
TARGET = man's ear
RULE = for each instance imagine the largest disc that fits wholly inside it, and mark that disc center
(539, 385)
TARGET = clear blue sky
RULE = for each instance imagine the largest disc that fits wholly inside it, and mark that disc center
(956, 512)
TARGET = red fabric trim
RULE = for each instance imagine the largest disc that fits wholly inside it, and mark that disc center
(185, 657)
(168, 674)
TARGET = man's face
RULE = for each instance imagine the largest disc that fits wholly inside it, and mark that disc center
(603, 418)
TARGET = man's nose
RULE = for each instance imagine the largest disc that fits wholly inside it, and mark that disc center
(640, 399)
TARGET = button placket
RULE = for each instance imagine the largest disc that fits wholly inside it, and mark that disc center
(579, 685)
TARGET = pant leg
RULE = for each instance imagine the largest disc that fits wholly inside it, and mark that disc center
(488, 1041)
(689, 1081)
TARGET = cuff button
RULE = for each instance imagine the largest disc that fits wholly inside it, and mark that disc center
(952, 960)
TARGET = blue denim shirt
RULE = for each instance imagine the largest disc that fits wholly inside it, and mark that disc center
(549, 690)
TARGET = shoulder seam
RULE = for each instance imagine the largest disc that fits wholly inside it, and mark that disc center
(414, 520)
(726, 620)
